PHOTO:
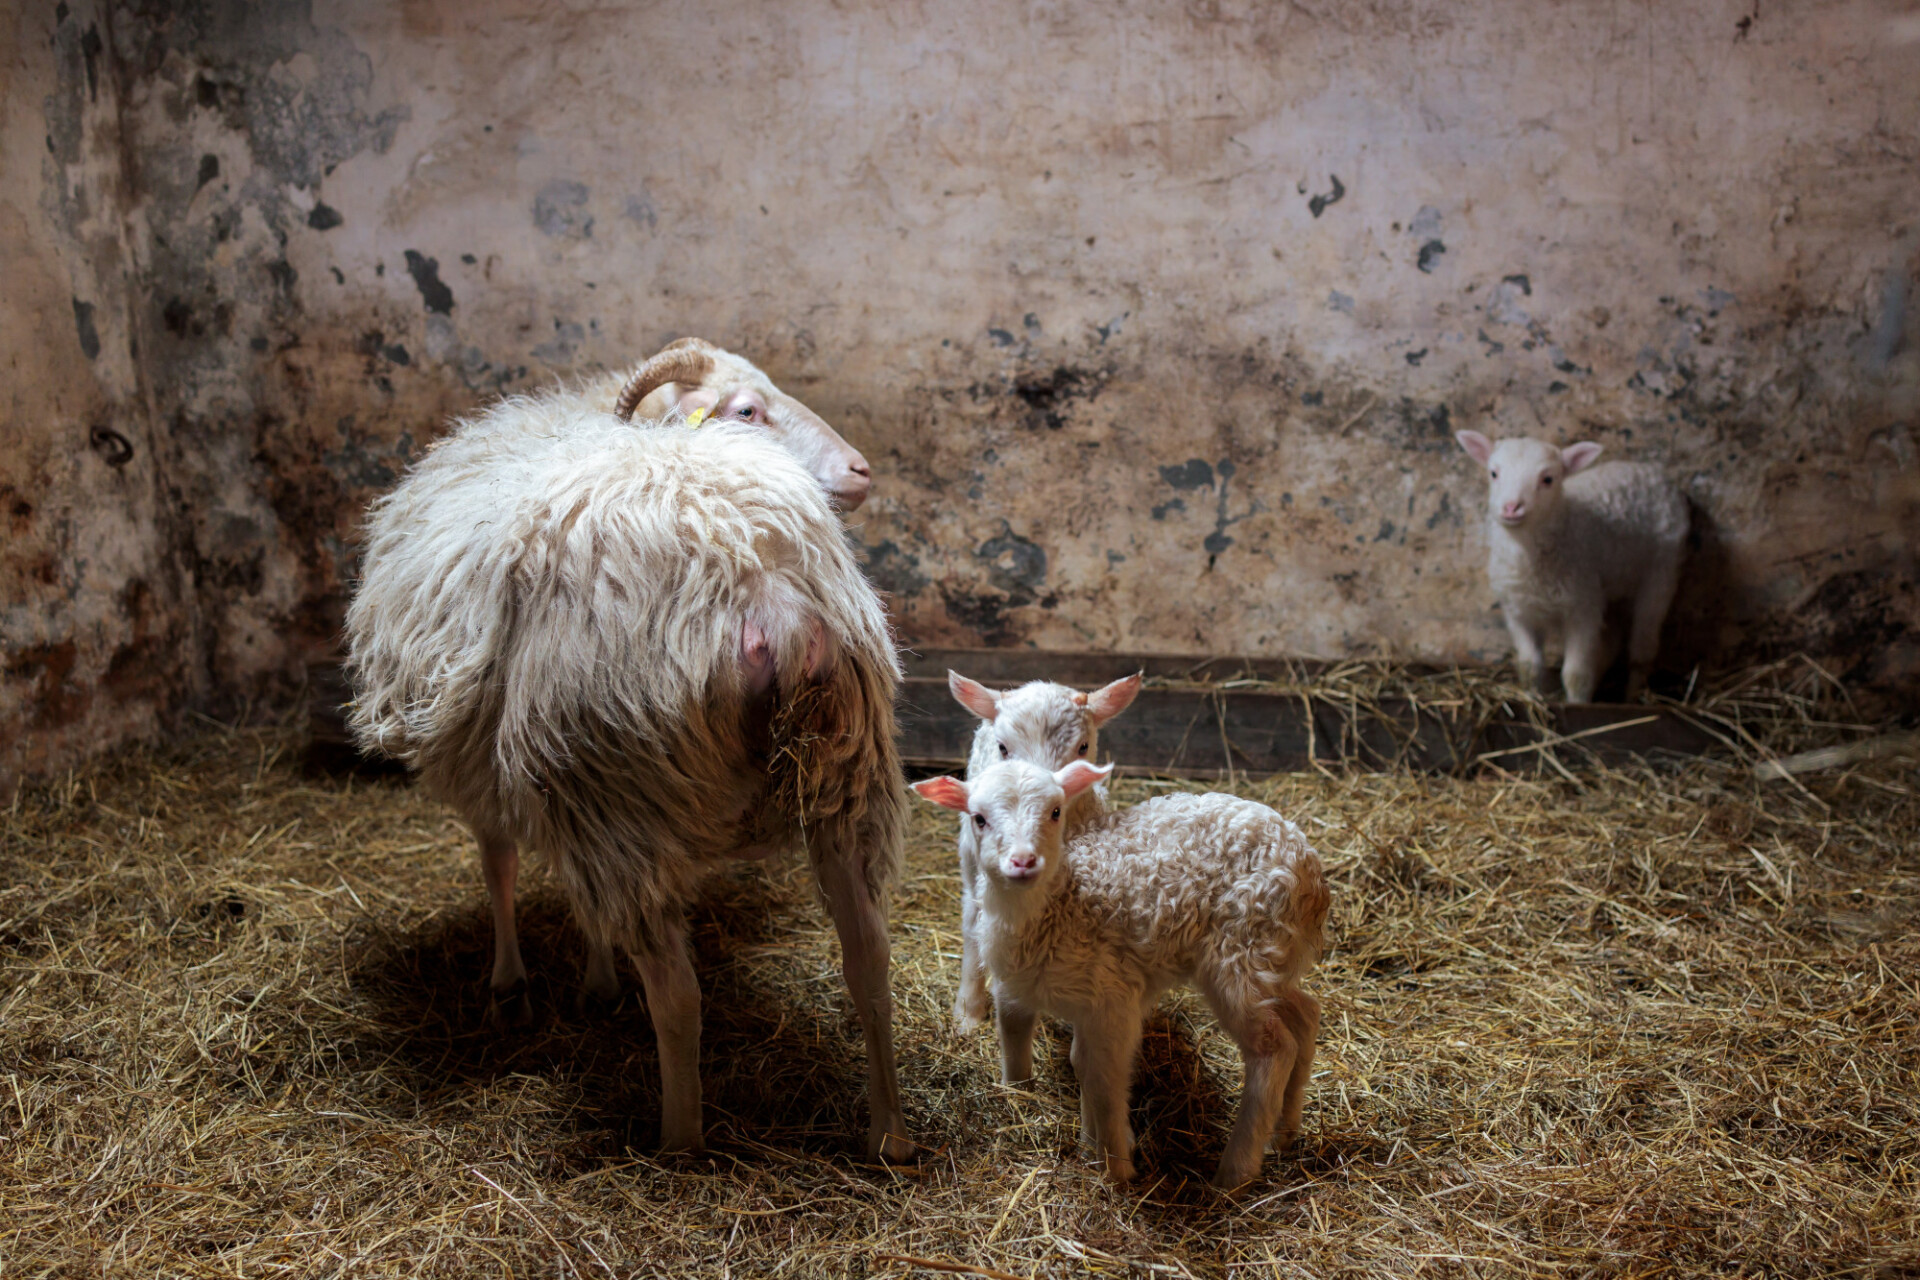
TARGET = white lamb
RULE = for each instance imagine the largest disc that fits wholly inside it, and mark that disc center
(1211, 890)
(1565, 540)
(1042, 723)
(644, 650)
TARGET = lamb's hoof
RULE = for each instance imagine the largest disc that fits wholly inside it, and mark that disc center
(965, 1023)
(510, 1008)
(1231, 1180)
(1120, 1172)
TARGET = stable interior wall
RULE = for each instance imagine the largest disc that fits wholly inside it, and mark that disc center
(1155, 322)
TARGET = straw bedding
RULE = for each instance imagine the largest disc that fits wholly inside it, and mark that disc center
(1656, 1021)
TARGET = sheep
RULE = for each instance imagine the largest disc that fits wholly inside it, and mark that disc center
(1212, 890)
(644, 650)
(1566, 539)
(1046, 724)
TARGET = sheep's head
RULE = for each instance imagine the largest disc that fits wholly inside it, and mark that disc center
(691, 374)
(1525, 477)
(1045, 723)
(1015, 810)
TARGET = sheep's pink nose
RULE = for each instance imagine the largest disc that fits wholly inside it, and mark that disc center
(1023, 861)
(854, 484)
(1513, 510)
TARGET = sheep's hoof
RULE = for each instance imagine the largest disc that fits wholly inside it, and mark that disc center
(592, 999)
(965, 1021)
(891, 1148)
(510, 1008)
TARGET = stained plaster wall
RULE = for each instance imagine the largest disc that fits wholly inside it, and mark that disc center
(1154, 321)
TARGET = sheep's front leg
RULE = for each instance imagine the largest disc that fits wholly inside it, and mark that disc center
(507, 1001)
(1014, 1022)
(601, 983)
(864, 957)
(1585, 658)
(673, 1002)
(970, 1001)
(1108, 1045)
(1528, 655)
(1276, 1045)
(1302, 1012)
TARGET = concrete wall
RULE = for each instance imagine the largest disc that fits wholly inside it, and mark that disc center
(1155, 322)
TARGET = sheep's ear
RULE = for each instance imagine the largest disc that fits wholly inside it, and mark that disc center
(1080, 775)
(692, 398)
(1105, 703)
(948, 793)
(1579, 457)
(1476, 444)
(973, 695)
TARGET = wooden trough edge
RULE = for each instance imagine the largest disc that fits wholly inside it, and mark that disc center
(1202, 733)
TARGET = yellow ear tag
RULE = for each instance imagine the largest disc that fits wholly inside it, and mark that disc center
(697, 417)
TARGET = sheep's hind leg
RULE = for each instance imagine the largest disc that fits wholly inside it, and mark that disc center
(970, 1001)
(1270, 1049)
(508, 1004)
(1302, 1014)
(1650, 605)
(865, 954)
(673, 1002)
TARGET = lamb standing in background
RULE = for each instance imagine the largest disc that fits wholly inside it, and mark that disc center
(1042, 723)
(645, 650)
(1208, 889)
(1566, 539)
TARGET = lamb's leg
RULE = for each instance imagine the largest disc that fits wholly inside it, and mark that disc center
(1586, 644)
(970, 1001)
(1650, 605)
(1528, 656)
(1014, 1022)
(1302, 1013)
(601, 983)
(864, 956)
(1108, 1045)
(1269, 1047)
(673, 1002)
(507, 1000)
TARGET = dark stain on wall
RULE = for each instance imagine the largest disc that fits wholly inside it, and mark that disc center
(426, 277)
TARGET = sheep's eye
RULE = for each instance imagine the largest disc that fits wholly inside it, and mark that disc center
(1054, 816)
(745, 411)
(1003, 751)
(1547, 480)
(1495, 473)
(1082, 751)
(980, 821)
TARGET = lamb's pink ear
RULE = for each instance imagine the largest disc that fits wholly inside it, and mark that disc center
(1476, 444)
(1080, 775)
(948, 793)
(1579, 457)
(1105, 703)
(973, 695)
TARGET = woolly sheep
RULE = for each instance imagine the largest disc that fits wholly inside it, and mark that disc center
(1043, 723)
(644, 650)
(1565, 540)
(1208, 889)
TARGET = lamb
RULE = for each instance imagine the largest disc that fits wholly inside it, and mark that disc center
(1208, 889)
(1566, 539)
(1043, 723)
(644, 650)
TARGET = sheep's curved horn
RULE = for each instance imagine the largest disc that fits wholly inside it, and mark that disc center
(677, 363)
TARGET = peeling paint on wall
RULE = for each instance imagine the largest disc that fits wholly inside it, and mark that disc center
(1156, 328)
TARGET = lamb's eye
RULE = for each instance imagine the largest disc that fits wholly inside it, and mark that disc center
(980, 821)
(1003, 751)
(1495, 473)
(1054, 816)
(1082, 751)
(1547, 480)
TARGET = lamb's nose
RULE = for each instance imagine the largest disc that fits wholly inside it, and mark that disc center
(1513, 509)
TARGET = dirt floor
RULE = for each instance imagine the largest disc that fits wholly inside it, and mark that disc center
(1656, 1021)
